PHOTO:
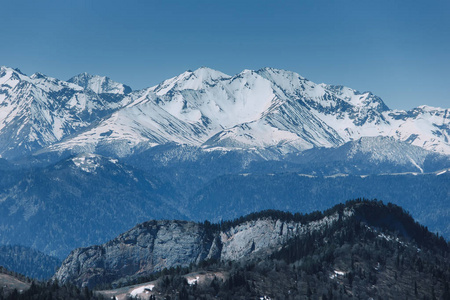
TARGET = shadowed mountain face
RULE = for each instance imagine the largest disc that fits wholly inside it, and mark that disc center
(83, 200)
(229, 195)
(29, 262)
(89, 199)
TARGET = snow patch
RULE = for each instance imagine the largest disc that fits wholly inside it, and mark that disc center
(441, 172)
(192, 281)
(88, 163)
(306, 175)
(142, 289)
(337, 273)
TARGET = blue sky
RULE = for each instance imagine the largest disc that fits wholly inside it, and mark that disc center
(399, 50)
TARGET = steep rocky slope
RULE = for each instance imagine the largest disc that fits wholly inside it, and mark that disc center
(155, 245)
(361, 249)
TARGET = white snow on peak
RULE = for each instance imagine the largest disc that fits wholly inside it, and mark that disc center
(50, 84)
(222, 100)
(429, 108)
(99, 84)
(260, 109)
(208, 75)
(288, 80)
(39, 110)
(251, 110)
(190, 80)
(10, 77)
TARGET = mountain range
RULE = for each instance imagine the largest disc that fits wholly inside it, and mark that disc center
(269, 111)
(85, 159)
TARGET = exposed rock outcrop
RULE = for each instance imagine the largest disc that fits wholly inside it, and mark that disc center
(148, 247)
(155, 245)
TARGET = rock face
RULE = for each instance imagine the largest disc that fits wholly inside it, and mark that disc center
(155, 245)
(150, 246)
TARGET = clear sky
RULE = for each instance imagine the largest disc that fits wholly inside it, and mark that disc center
(399, 50)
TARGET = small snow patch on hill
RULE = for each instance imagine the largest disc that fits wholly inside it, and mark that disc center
(88, 162)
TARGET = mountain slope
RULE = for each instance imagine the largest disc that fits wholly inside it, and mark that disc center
(370, 155)
(272, 252)
(29, 262)
(196, 131)
(228, 196)
(87, 199)
(152, 246)
(38, 111)
(10, 282)
(82, 200)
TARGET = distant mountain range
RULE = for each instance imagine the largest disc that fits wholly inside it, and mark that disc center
(268, 111)
(85, 159)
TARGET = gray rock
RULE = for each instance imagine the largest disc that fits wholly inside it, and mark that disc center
(155, 245)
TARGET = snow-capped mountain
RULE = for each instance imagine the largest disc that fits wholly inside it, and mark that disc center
(323, 115)
(99, 84)
(370, 155)
(197, 144)
(37, 111)
(265, 109)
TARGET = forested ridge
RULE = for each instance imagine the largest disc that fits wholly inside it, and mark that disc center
(379, 251)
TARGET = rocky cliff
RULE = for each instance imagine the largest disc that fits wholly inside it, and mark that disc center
(155, 245)
(148, 247)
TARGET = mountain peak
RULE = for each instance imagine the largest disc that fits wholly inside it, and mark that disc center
(191, 80)
(38, 75)
(84, 75)
(99, 84)
(11, 76)
(428, 108)
(11, 70)
(253, 109)
(206, 74)
(278, 72)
